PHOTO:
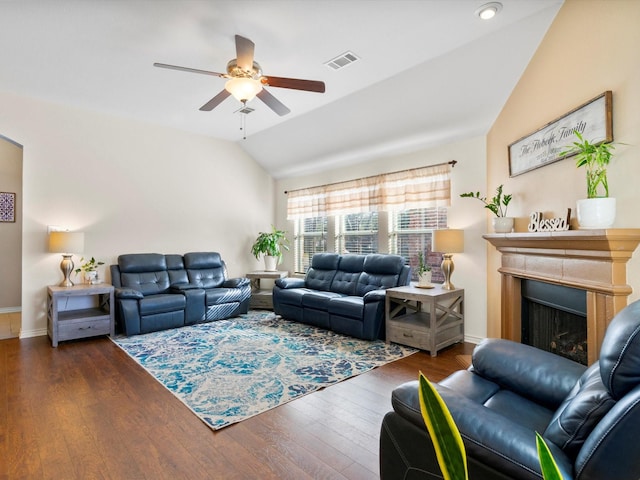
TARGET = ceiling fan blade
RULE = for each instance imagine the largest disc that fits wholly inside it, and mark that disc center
(215, 101)
(294, 83)
(187, 69)
(273, 103)
(244, 53)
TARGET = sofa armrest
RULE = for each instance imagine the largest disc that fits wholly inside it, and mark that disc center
(290, 282)
(183, 287)
(236, 282)
(374, 296)
(128, 293)
(541, 376)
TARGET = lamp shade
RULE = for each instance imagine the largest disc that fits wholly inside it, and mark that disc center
(448, 241)
(243, 89)
(66, 242)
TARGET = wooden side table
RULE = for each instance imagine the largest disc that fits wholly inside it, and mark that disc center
(439, 324)
(81, 322)
(263, 298)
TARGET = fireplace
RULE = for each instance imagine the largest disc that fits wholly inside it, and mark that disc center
(554, 318)
(592, 261)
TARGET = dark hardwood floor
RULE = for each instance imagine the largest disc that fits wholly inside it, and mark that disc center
(85, 410)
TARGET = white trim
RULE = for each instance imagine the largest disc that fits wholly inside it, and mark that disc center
(472, 339)
(38, 332)
(10, 310)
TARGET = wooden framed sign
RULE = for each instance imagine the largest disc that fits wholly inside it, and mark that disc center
(593, 121)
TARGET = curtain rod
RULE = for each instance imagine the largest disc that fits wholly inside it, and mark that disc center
(450, 162)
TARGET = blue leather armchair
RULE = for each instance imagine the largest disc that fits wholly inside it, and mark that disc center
(589, 417)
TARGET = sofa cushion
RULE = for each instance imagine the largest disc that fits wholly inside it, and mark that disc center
(352, 307)
(141, 262)
(216, 296)
(292, 296)
(322, 270)
(318, 300)
(580, 412)
(620, 352)
(380, 271)
(205, 269)
(148, 283)
(162, 303)
(346, 277)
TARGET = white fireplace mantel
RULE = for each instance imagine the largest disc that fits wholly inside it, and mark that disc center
(591, 260)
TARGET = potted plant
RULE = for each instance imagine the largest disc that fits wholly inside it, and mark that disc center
(270, 245)
(498, 206)
(90, 269)
(598, 210)
(423, 271)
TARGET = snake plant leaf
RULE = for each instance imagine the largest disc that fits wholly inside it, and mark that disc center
(444, 434)
(548, 465)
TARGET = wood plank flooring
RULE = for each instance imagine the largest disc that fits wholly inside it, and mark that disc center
(85, 410)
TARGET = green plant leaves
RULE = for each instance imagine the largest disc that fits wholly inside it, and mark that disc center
(444, 433)
(548, 465)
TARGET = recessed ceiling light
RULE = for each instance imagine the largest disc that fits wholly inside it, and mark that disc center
(489, 10)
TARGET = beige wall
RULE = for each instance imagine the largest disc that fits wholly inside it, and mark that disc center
(11, 233)
(468, 174)
(591, 47)
(131, 187)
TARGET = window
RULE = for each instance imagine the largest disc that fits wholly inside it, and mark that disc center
(358, 233)
(410, 232)
(310, 237)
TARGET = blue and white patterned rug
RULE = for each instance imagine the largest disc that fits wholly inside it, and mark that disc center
(229, 370)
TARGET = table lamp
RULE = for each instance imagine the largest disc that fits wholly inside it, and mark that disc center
(450, 241)
(66, 243)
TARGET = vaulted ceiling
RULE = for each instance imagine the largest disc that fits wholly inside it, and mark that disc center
(429, 71)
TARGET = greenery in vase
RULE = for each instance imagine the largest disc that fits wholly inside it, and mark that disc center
(595, 158)
(447, 441)
(423, 267)
(270, 243)
(498, 204)
(88, 266)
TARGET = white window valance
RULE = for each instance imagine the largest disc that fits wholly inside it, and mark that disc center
(415, 188)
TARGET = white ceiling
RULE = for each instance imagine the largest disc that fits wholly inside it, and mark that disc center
(430, 71)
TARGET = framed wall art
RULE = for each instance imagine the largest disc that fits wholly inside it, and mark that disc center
(7, 207)
(593, 121)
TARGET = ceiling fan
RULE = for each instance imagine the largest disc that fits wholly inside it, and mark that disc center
(246, 80)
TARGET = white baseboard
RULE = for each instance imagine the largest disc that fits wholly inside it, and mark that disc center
(10, 310)
(38, 332)
(472, 339)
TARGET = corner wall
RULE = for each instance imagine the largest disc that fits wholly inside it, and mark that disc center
(591, 47)
(131, 187)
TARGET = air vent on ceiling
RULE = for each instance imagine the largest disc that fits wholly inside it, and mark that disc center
(342, 61)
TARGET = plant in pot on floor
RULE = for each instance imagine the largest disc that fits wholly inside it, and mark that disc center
(90, 270)
(598, 210)
(498, 206)
(270, 245)
(423, 271)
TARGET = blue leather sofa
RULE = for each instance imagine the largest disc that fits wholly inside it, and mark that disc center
(589, 417)
(155, 292)
(343, 293)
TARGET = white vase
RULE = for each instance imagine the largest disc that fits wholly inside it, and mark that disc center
(91, 277)
(596, 212)
(502, 224)
(270, 263)
(424, 279)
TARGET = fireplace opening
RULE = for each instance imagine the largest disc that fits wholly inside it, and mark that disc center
(554, 318)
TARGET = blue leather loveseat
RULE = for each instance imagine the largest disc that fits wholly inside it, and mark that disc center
(155, 292)
(589, 417)
(343, 293)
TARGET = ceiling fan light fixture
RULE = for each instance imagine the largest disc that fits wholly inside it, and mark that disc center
(243, 89)
(489, 10)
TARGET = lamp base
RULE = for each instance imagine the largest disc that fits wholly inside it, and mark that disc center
(66, 265)
(447, 268)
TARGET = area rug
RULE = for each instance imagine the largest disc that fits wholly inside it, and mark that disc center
(229, 370)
